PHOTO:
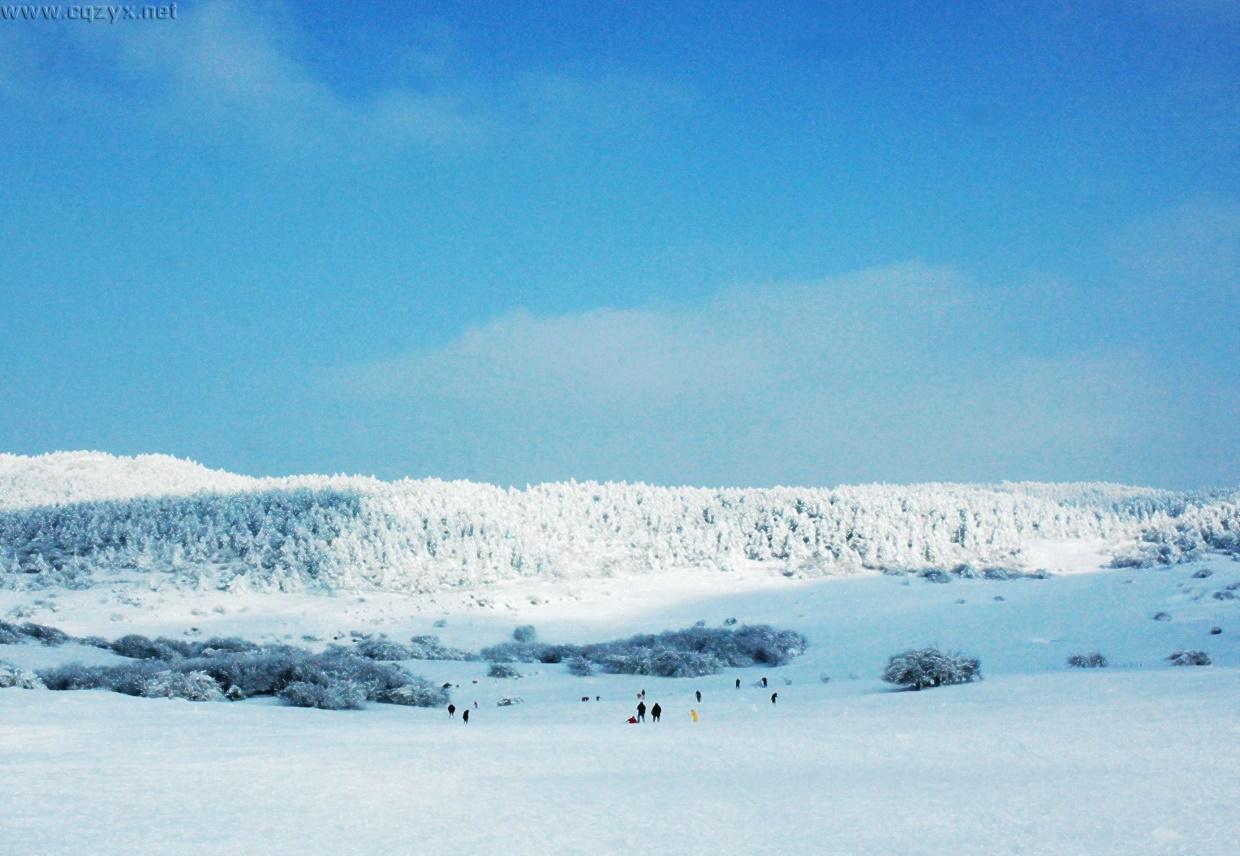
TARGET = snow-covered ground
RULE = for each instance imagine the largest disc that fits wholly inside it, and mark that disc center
(1140, 757)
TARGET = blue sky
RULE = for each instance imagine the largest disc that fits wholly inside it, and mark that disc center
(764, 243)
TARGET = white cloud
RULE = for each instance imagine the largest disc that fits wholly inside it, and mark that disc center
(898, 372)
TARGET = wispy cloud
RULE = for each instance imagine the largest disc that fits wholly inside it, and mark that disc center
(887, 372)
(234, 72)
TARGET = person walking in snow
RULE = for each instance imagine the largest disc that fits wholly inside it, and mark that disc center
(465, 716)
(693, 714)
(764, 681)
(451, 711)
(773, 697)
(655, 712)
(738, 683)
(699, 696)
(641, 711)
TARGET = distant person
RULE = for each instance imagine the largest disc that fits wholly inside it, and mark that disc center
(738, 683)
(655, 712)
(476, 703)
(641, 711)
(699, 696)
(774, 696)
(764, 681)
(465, 716)
(451, 711)
(693, 714)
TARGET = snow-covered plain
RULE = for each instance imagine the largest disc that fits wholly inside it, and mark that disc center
(1036, 759)
(1140, 757)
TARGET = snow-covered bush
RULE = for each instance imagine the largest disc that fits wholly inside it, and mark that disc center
(139, 647)
(501, 670)
(690, 652)
(1189, 658)
(525, 633)
(935, 575)
(222, 645)
(382, 649)
(417, 692)
(10, 634)
(127, 678)
(1162, 616)
(580, 666)
(430, 648)
(191, 686)
(662, 663)
(341, 695)
(1204, 573)
(1088, 661)
(43, 634)
(507, 701)
(930, 667)
(12, 676)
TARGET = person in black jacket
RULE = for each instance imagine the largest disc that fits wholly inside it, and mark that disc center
(699, 696)
(465, 716)
(641, 711)
(451, 711)
(655, 712)
(773, 697)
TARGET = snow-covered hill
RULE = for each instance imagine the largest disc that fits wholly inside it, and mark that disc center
(73, 518)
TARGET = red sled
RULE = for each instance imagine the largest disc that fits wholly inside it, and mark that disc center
(632, 720)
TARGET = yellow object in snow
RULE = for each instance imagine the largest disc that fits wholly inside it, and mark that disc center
(693, 713)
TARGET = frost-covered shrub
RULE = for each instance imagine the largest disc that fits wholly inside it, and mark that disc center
(1202, 574)
(430, 648)
(998, 573)
(12, 676)
(1088, 661)
(139, 647)
(525, 633)
(965, 571)
(382, 649)
(191, 686)
(342, 695)
(10, 634)
(509, 702)
(580, 666)
(690, 652)
(127, 678)
(1226, 594)
(1215, 631)
(418, 692)
(1189, 658)
(1162, 616)
(930, 667)
(501, 670)
(935, 575)
(223, 645)
(662, 663)
(44, 634)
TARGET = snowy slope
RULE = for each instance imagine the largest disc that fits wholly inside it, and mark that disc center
(175, 521)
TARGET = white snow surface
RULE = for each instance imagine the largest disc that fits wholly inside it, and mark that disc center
(77, 519)
(1138, 758)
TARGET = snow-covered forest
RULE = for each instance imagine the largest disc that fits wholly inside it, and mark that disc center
(72, 518)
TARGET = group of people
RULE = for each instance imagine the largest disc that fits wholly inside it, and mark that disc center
(656, 712)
